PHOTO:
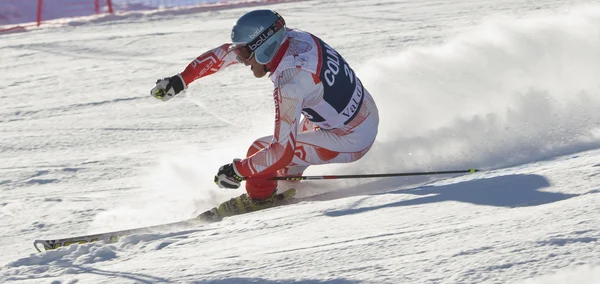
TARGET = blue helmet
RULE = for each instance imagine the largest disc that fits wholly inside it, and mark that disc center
(261, 31)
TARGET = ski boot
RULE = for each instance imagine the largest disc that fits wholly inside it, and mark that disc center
(244, 204)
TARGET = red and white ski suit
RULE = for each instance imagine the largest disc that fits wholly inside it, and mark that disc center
(312, 80)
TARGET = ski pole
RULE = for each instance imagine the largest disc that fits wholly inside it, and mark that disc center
(372, 175)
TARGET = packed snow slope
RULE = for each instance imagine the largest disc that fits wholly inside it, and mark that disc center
(510, 87)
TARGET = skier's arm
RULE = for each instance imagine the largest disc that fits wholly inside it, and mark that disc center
(206, 64)
(288, 96)
(209, 63)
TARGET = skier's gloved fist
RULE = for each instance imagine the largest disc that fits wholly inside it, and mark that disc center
(228, 177)
(168, 87)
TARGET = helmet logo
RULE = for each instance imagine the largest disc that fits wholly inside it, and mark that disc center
(257, 32)
(261, 39)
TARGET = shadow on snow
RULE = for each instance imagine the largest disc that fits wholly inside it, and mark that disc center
(503, 191)
(74, 270)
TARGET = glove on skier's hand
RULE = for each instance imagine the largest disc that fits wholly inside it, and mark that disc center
(228, 177)
(167, 88)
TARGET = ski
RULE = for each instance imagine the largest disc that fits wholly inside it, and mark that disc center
(109, 237)
(208, 216)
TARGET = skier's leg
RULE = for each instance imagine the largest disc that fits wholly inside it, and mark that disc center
(260, 187)
(336, 146)
(261, 192)
(342, 145)
(292, 169)
(318, 146)
(314, 146)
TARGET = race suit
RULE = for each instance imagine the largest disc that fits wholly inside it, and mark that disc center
(312, 80)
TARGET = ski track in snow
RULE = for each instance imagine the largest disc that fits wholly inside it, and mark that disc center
(506, 86)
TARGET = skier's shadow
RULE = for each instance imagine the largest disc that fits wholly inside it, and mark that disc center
(502, 191)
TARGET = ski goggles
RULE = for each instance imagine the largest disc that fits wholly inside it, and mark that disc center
(244, 52)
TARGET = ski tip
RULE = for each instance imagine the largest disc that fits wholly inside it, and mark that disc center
(473, 170)
(35, 244)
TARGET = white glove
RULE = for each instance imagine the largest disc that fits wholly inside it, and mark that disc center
(168, 87)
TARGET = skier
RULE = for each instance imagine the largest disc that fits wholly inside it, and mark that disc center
(311, 79)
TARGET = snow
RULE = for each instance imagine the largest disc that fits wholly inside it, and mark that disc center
(506, 86)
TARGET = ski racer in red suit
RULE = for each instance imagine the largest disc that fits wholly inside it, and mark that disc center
(312, 80)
